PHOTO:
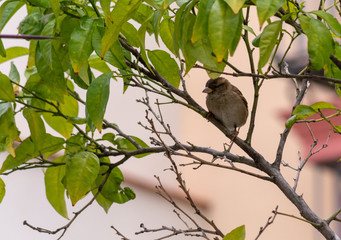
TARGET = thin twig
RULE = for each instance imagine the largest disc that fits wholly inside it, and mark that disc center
(119, 234)
(269, 222)
(311, 153)
(286, 131)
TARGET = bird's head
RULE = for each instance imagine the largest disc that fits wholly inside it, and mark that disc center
(217, 84)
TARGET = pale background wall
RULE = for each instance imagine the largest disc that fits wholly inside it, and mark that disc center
(233, 199)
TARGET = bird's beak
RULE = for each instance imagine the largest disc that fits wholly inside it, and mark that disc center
(207, 90)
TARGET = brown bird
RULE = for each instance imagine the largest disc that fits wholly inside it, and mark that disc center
(226, 103)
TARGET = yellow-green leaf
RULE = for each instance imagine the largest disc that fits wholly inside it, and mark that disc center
(69, 108)
(236, 234)
(8, 130)
(290, 122)
(81, 172)
(23, 153)
(54, 188)
(14, 52)
(235, 5)
(200, 29)
(123, 11)
(37, 127)
(267, 8)
(322, 105)
(80, 43)
(303, 111)
(2, 189)
(97, 99)
(224, 29)
(6, 89)
(320, 41)
(268, 40)
(166, 33)
(166, 66)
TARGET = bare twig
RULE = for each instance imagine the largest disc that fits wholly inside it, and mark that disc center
(286, 131)
(33, 37)
(119, 233)
(269, 222)
(311, 153)
(182, 184)
(334, 217)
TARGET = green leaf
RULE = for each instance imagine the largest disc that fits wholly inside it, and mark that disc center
(249, 29)
(112, 185)
(320, 42)
(14, 74)
(96, 63)
(290, 122)
(123, 11)
(37, 127)
(6, 89)
(130, 33)
(55, 7)
(80, 43)
(7, 10)
(23, 153)
(40, 3)
(59, 123)
(31, 54)
(2, 189)
(202, 51)
(2, 49)
(125, 144)
(157, 16)
(105, 4)
(303, 111)
(32, 24)
(332, 22)
(200, 29)
(142, 38)
(322, 105)
(51, 145)
(236, 234)
(14, 52)
(331, 70)
(267, 8)
(235, 5)
(166, 66)
(109, 137)
(75, 144)
(256, 40)
(183, 26)
(51, 71)
(81, 171)
(143, 14)
(100, 199)
(224, 29)
(166, 33)
(268, 40)
(114, 55)
(54, 188)
(8, 130)
(97, 99)
(36, 84)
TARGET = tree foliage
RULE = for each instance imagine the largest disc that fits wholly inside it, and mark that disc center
(81, 46)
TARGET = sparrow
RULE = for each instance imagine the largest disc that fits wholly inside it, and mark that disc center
(226, 103)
